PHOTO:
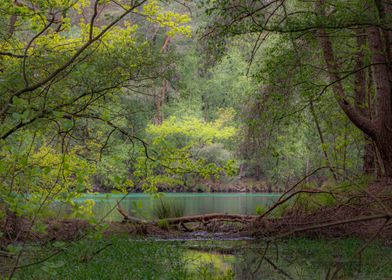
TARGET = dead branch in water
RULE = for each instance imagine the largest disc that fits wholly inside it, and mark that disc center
(191, 219)
(214, 216)
(128, 217)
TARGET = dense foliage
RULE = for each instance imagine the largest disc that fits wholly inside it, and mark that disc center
(151, 95)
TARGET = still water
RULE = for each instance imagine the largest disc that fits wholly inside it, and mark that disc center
(296, 258)
(141, 205)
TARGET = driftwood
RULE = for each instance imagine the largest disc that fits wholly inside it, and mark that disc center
(129, 218)
(191, 219)
(213, 216)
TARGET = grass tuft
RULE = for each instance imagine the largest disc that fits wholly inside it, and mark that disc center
(164, 209)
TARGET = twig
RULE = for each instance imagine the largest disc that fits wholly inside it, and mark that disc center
(336, 223)
(280, 201)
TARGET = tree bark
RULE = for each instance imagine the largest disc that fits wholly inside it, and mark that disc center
(384, 8)
(383, 120)
(369, 158)
(160, 98)
(363, 89)
(159, 101)
(379, 129)
(360, 121)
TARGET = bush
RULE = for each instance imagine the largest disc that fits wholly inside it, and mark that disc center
(214, 153)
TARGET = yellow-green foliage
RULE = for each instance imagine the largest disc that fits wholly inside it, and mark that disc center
(33, 178)
(260, 209)
(53, 47)
(174, 151)
(193, 129)
(35, 170)
(176, 23)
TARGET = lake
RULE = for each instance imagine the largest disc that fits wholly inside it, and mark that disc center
(140, 205)
(210, 258)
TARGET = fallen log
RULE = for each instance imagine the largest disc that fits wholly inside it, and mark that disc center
(192, 219)
(214, 216)
(129, 218)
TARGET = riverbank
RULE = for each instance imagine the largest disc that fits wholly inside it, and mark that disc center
(353, 234)
(362, 213)
(232, 185)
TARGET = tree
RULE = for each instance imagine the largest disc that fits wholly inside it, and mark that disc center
(306, 23)
(378, 129)
(183, 149)
(63, 64)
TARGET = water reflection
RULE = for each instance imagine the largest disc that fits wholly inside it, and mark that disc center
(289, 259)
(140, 205)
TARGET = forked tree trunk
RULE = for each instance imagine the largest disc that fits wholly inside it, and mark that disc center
(378, 129)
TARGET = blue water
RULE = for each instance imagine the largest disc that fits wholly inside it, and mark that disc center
(139, 204)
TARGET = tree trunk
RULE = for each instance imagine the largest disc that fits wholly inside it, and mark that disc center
(369, 158)
(381, 74)
(160, 97)
(363, 86)
(159, 101)
(384, 146)
(378, 129)
(12, 23)
(384, 8)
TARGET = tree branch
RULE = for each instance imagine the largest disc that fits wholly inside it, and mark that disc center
(69, 62)
(360, 121)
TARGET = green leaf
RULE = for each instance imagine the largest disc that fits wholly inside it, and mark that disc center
(58, 114)
(16, 117)
(16, 101)
(67, 124)
(106, 115)
(59, 244)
